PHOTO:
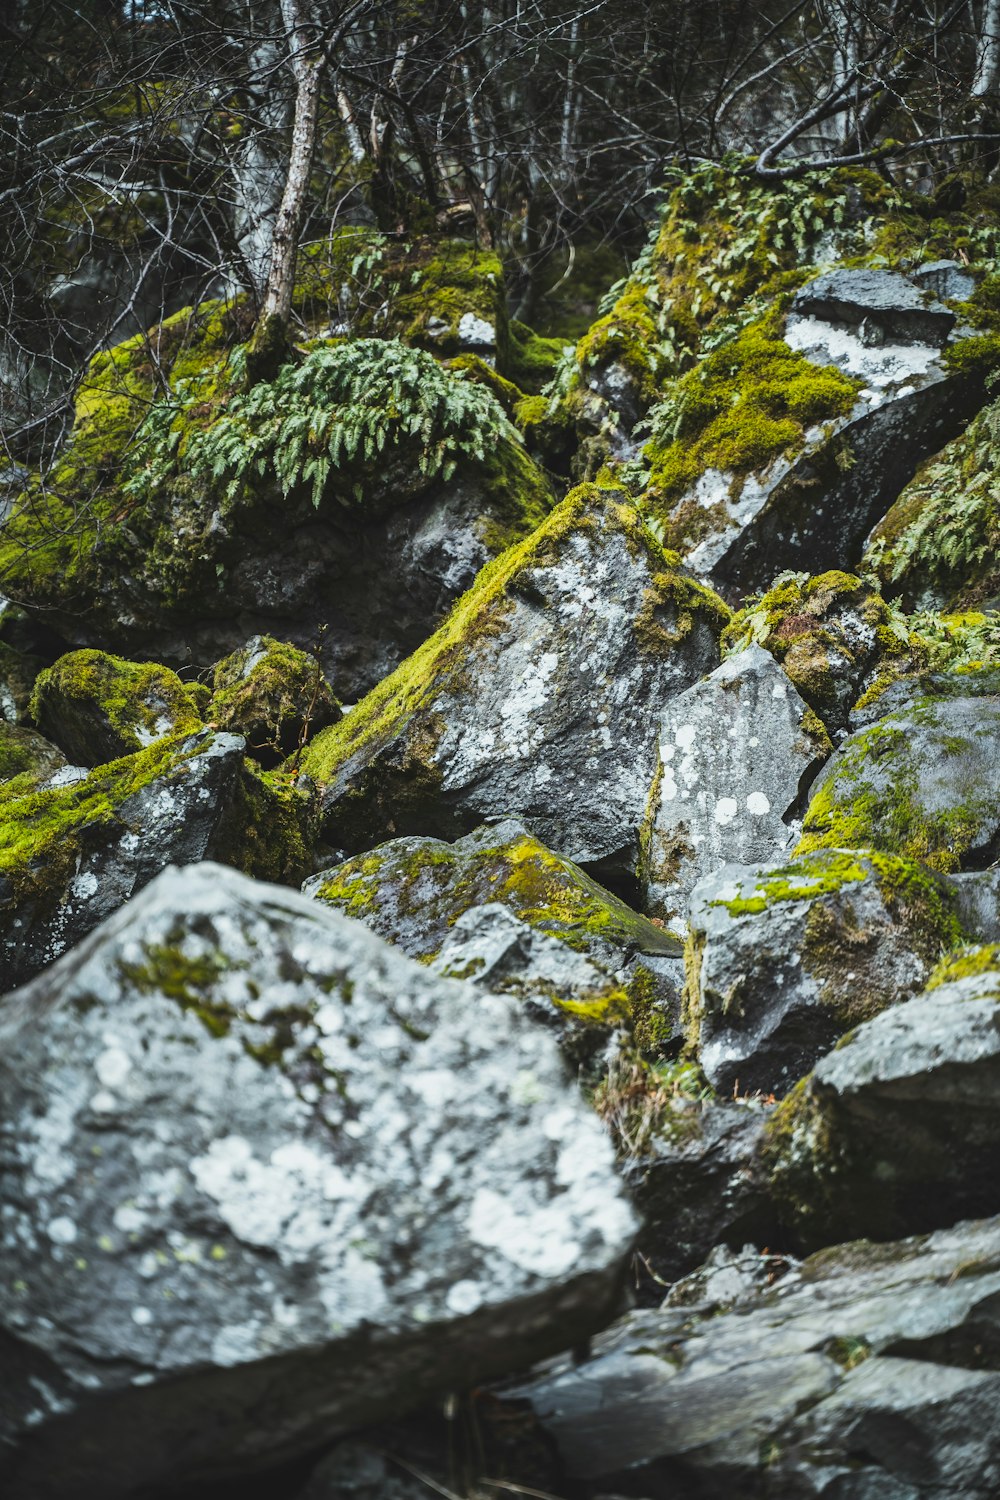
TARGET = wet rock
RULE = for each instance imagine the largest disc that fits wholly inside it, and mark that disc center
(266, 1181)
(99, 707)
(500, 909)
(785, 959)
(737, 753)
(698, 1184)
(866, 1371)
(897, 1129)
(539, 698)
(23, 752)
(831, 633)
(74, 849)
(923, 782)
(272, 694)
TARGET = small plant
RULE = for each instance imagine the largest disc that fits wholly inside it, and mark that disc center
(337, 412)
(639, 1100)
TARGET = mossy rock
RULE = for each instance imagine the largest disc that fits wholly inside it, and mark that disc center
(536, 698)
(831, 633)
(923, 783)
(23, 753)
(937, 545)
(99, 707)
(784, 959)
(72, 852)
(274, 695)
(18, 671)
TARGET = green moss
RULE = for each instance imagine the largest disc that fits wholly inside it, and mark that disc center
(801, 1160)
(100, 706)
(274, 695)
(531, 360)
(966, 963)
(25, 754)
(802, 880)
(473, 367)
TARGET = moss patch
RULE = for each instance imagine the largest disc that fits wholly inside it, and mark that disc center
(100, 707)
(274, 695)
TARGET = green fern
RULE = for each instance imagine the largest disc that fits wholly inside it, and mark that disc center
(334, 414)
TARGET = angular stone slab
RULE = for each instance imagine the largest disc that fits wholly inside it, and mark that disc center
(784, 959)
(737, 752)
(539, 698)
(866, 1371)
(884, 306)
(265, 1180)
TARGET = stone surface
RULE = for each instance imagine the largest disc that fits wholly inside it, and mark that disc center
(264, 1181)
(977, 903)
(75, 850)
(24, 752)
(865, 1373)
(540, 697)
(945, 278)
(786, 958)
(501, 910)
(272, 694)
(897, 1129)
(737, 754)
(99, 707)
(923, 782)
(884, 306)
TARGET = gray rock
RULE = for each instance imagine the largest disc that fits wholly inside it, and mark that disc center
(906, 692)
(977, 903)
(539, 698)
(266, 1181)
(700, 1184)
(897, 1129)
(357, 1470)
(922, 782)
(737, 753)
(500, 909)
(865, 1373)
(786, 958)
(945, 278)
(883, 305)
(79, 846)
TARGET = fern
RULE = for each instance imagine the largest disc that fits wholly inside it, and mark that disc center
(340, 409)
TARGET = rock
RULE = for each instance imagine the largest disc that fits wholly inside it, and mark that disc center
(99, 707)
(501, 910)
(831, 634)
(539, 697)
(923, 782)
(976, 897)
(892, 695)
(272, 694)
(266, 1181)
(784, 959)
(699, 1183)
(884, 307)
(936, 545)
(853, 436)
(737, 753)
(867, 1372)
(18, 671)
(897, 1129)
(356, 1470)
(25, 753)
(945, 278)
(73, 850)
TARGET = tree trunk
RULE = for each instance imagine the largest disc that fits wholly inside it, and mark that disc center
(270, 341)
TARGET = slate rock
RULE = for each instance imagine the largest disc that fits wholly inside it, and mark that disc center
(538, 698)
(98, 707)
(864, 1373)
(833, 634)
(737, 753)
(945, 278)
(266, 1180)
(499, 908)
(883, 305)
(78, 846)
(814, 509)
(700, 1184)
(897, 1129)
(923, 782)
(784, 959)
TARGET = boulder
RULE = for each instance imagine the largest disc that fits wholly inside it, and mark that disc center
(18, 670)
(783, 959)
(832, 634)
(76, 847)
(265, 1181)
(884, 307)
(897, 1129)
(500, 909)
(23, 752)
(539, 697)
(738, 751)
(923, 782)
(865, 1371)
(99, 707)
(272, 694)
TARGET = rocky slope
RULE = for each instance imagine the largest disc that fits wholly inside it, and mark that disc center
(622, 1082)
